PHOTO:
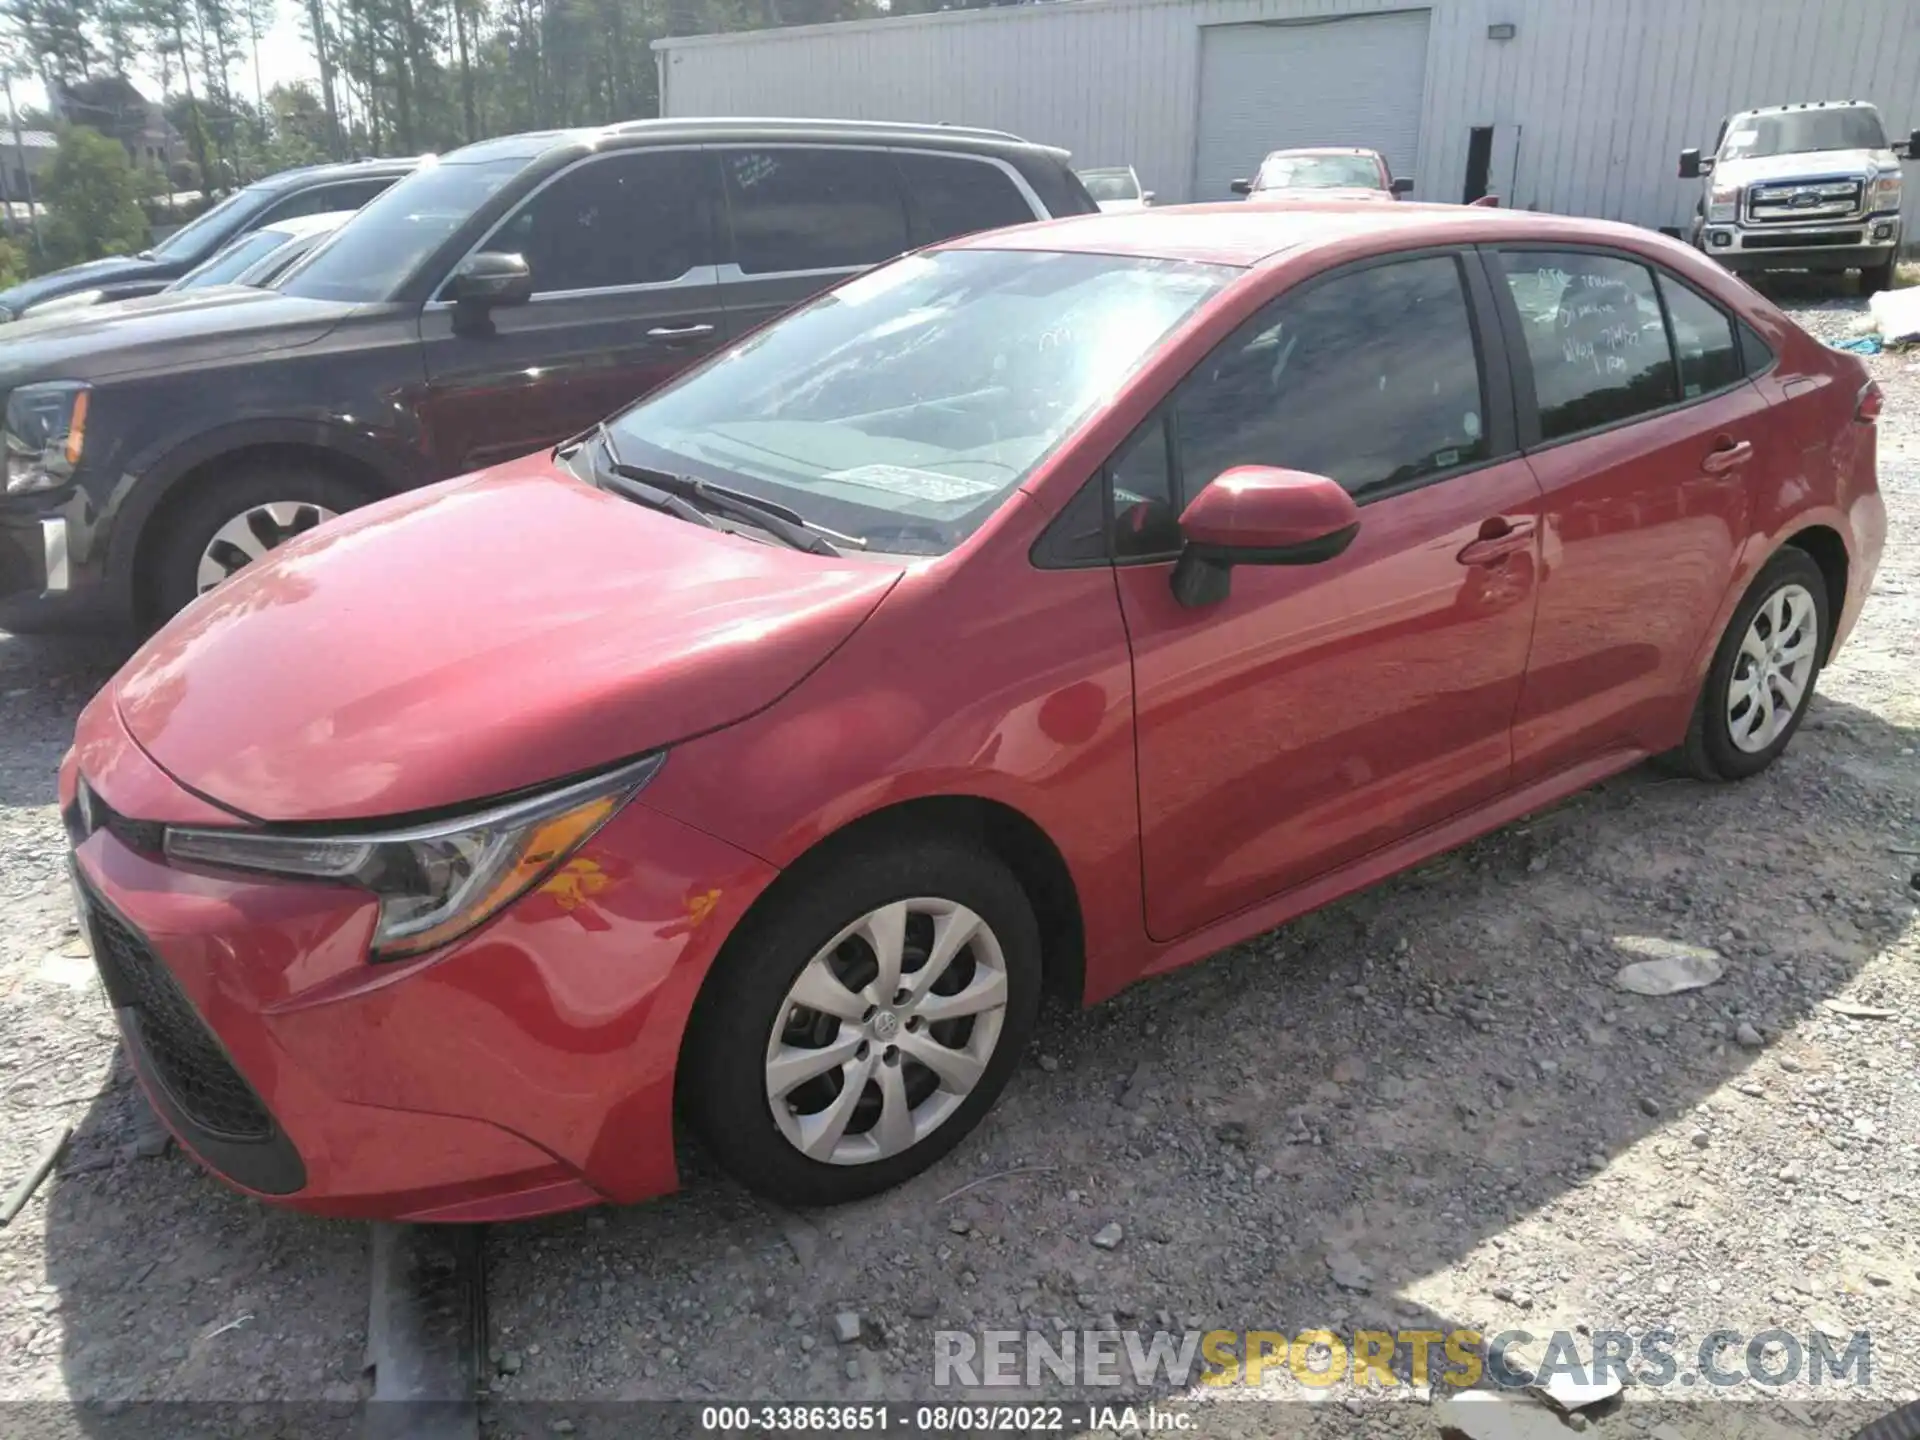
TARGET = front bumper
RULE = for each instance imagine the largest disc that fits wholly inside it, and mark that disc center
(526, 1069)
(52, 561)
(1854, 245)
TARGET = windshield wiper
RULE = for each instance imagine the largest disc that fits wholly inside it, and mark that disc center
(768, 515)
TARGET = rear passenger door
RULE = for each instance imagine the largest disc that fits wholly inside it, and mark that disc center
(1645, 434)
(622, 248)
(801, 218)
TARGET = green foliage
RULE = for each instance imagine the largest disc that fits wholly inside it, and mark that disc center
(93, 203)
(13, 263)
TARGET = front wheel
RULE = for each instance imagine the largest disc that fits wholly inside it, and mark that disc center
(1763, 673)
(1876, 278)
(860, 1026)
(232, 521)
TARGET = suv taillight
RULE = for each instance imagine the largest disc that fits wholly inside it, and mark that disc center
(1867, 410)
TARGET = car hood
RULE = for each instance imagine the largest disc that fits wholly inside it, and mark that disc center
(475, 638)
(188, 327)
(1322, 192)
(1809, 163)
(92, 275)
(1120, 207)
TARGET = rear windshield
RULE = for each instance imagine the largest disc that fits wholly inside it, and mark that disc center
(1110, 184)
(1799, 131)
(369, 260)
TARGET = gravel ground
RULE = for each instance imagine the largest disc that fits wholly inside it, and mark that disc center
(1427, 1107)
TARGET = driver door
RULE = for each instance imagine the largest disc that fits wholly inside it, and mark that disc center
(622, 247)
(1322, 711)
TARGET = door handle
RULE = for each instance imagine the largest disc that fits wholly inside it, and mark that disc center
(1499, 538)
(678, 332)
(1727, 456)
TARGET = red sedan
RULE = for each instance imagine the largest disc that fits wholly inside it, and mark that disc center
(1047, 609)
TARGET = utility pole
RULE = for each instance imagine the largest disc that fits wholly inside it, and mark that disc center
(20, 155)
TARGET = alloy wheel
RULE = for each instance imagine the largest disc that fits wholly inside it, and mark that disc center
(1774, 668)
(251, 534)
(886, 1031)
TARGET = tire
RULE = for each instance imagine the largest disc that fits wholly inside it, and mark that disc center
(308, 496)
(1878, 278)
(727, 1072)
(1725, 743)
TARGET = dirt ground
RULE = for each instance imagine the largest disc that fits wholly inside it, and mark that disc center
(1425, 1108)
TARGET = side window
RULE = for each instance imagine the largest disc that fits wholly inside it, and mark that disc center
(314, 200)
(642, 218)
(1371, 377)
(1146, 508)
(812, 209)
(1755, 354)
(1595, 339)
(352, 197)
(949, 195)
(1702, 340)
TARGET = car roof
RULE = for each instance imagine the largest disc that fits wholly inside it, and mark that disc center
(295, 226)
(532, 144)
(305, 175)
(1810, 105)
(1326, 150)
(1246, 233)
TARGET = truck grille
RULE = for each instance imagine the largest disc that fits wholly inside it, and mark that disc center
(1787, 202)
(189, 1061)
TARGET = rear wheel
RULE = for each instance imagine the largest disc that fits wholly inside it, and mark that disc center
(1763, 673)
(233, 521)
(863, 1024)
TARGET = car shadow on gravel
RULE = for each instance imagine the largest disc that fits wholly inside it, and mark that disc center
(1353, 1122)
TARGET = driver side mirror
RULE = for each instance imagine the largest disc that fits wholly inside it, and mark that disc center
(1692, 166)
(491, 278)
(1258, 515)
(1146, 197)
(1240, 187)
(1401, 185)
(1908, 149)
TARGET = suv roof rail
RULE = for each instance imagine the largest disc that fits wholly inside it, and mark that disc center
(750, 122)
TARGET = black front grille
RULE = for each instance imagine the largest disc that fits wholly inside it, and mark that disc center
(89, 813)
(199, 1078)
(1810, 240)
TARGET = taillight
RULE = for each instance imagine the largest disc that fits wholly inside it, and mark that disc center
(1871, 401)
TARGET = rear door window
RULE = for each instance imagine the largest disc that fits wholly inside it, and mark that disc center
(1702, 340)
(812, 208)
(1595, 338)
(949, 195)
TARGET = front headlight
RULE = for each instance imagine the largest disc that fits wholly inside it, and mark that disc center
(435, 882)
(1884, 192)
(1723, 204)
(45, 432)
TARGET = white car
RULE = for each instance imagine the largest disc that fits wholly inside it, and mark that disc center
(256, 258)
(1115, 187)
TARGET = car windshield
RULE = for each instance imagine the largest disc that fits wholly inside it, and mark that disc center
(1796, 132)
(369, 259)
(205, 233)
(905, 406)
(227, 266)
(1318, 172)
(1111, 184)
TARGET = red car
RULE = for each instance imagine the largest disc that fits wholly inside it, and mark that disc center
(1326, 174)
(1050, 608)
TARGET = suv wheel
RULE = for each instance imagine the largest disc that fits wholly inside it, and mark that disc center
(1877, 278)
(229, 524)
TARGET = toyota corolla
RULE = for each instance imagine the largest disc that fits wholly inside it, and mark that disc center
(1044, 610)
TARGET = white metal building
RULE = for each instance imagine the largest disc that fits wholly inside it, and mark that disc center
(1578, 106)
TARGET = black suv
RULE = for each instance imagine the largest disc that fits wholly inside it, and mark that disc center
(312, 190)
(491, 304)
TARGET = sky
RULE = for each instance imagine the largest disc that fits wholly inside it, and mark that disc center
(284, 57)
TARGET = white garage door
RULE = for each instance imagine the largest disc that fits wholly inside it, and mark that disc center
(1356, 80)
